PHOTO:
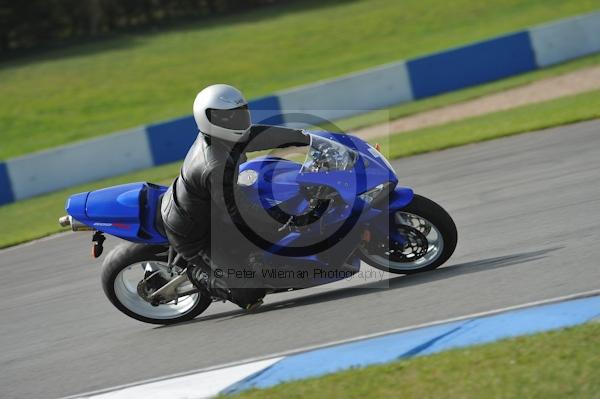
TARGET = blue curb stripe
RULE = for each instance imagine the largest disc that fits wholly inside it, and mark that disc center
(266, 110)
(171, 140)
(471, 65)
(423, 341)
(6, 192)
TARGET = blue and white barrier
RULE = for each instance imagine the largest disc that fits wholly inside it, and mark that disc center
(78, 163)
(380, 349)
(375, 88)
(348, 95)
(108, 156)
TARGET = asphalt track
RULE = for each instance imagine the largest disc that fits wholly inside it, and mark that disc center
(528, 215)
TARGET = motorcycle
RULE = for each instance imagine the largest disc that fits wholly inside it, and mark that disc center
(340, 206)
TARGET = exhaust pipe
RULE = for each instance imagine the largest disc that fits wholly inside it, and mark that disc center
(64, 221)
(75, 225)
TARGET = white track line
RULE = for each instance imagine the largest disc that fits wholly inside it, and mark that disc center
(198, 386)
(347, 340)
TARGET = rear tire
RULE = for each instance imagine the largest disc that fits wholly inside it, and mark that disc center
(440, 222)
(126, 255)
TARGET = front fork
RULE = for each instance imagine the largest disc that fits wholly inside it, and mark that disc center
(379, 228)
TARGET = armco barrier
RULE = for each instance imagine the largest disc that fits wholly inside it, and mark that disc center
(379, 87)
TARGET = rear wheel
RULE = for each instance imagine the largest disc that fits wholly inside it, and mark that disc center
(130, 274)
(421, 236)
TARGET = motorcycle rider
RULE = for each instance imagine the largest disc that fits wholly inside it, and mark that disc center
(200, 197)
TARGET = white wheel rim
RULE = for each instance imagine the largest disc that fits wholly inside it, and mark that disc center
(435, 245)
(125, 285)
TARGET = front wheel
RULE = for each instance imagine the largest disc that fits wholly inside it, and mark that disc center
(130, 273)
(421, 237)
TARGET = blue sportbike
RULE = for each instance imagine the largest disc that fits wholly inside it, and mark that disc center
(338, 206)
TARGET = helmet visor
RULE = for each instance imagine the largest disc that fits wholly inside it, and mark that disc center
(234, 119)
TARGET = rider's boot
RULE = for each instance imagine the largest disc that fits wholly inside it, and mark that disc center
(202, 276)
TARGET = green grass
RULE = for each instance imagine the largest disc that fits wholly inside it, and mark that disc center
(500, 124)
(36, 217)
(559, 364)
(81, 91)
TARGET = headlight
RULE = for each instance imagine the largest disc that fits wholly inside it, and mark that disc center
(247, 177)
(371, 195)
(328, 155)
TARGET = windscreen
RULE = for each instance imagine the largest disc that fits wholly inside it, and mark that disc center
(325, 155)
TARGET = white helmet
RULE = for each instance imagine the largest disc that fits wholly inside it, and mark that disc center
(222, 111)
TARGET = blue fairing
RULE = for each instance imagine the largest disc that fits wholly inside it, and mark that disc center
(400, 197)
(282, 183)
(277, 183)
(281, 180)
(127, 211)
(76, 206)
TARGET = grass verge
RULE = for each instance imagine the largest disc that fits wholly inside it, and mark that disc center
(528, 118)
(557, 364)
(74, 93)
(36, 217)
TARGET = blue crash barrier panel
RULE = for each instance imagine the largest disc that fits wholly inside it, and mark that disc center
(170, 141)
(6, 193)
(471, 65)
(266, 110)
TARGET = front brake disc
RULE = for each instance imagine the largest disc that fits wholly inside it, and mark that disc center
(415, 245)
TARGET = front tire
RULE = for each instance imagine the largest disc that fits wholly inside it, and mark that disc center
(422, 219)
(122, 270)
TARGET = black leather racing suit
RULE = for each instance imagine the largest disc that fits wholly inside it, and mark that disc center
(198, 205)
